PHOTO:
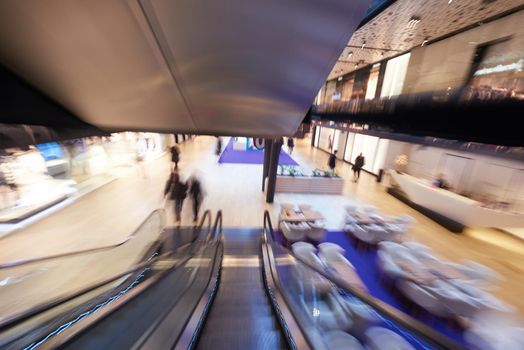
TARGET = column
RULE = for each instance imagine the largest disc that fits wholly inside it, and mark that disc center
(273, 167)
(313, 135)
(267, 157)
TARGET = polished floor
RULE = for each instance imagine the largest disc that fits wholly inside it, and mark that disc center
(110, 214)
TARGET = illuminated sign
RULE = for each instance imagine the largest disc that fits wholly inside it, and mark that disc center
(517, 67)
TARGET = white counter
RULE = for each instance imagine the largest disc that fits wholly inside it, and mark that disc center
(454, 206)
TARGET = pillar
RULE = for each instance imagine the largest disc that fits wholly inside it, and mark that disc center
(273, 167)
(267, 157)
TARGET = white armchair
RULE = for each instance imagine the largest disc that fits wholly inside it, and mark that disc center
(336, 340)
(378, 338)
(294, 231)
(316, 231)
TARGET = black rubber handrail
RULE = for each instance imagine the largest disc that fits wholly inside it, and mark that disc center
(217, 227)
(65, 337)
(17, 263)
(15, 318)
(420, 329)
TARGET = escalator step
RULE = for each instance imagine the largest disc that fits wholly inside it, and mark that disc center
(263, 339)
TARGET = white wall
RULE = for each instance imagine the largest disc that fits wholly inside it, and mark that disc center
(396, 69)
(325, 134)
(478, 175)
(341, 145)
(317, 136)
(367, 145)
(380, 157)
(349, 147)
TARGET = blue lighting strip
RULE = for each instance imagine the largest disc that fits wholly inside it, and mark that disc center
(65, 326)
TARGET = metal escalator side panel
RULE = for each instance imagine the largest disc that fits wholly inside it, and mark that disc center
(291, 328)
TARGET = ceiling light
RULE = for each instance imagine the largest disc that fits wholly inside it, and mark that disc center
(339, 78)
(350, 54)
(450, 1)
(425, 41)
(363, 44)
(412, 23)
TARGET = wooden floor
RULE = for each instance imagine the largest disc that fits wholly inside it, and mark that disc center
(109, 214)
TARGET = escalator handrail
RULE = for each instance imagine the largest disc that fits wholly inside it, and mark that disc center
(15, 318)
(65, 337)
(399, 317)
(192, 330)
(198, 228)
(217, 227)
(293, 330)
(22, 262)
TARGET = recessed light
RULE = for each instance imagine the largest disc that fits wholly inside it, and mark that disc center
(450, 1)
(412, 23)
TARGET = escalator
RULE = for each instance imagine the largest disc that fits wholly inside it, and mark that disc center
(241, 316)
(237, 289)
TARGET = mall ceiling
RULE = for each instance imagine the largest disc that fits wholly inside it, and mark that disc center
(391, 32)
(210, 67)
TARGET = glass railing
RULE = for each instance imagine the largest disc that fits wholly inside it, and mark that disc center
(333, 313)
(46, 322)
(26, 284)
(458, 97)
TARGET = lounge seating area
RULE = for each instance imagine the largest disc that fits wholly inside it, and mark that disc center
(367, 225)
(302, 223)
(452, 297)
(442, 289)
(346, 322)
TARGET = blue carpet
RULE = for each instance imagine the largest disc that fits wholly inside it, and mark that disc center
(365, 263)
(229, 155)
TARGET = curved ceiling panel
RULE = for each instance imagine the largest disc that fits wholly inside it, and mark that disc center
(217, 67)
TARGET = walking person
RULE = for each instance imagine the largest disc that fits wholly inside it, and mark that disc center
(196, 192)
(357, 166)
(175, 155)
(290, 144)
(177, 191)
(140, 155)
(218, 149)
(332, 162)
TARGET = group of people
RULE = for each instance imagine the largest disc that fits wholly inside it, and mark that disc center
(357, 165)
(178, 190)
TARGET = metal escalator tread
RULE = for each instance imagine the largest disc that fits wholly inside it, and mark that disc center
(241, 316)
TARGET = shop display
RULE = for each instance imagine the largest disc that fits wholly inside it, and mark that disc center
(32, 189)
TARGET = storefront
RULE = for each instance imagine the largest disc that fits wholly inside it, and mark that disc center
(499, 72)
(350, 144)
(43, 175)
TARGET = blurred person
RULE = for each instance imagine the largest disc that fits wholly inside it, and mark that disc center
(290, 144)
(177, 191)
(332, 162)
(218, 149)
(357, 166)
(140, 155)
(196, 192)
(7, 179)
(440, 182)
(175, 155)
